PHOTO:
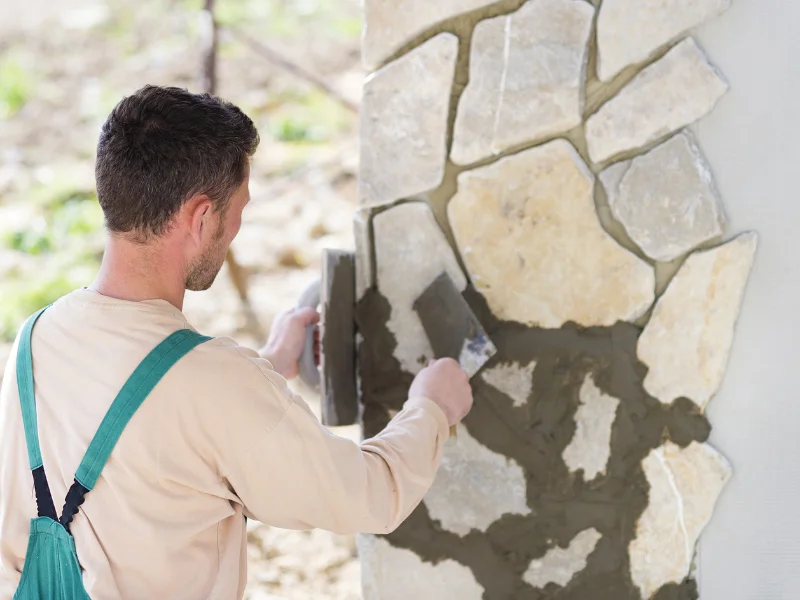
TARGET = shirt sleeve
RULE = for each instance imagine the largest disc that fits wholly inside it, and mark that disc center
(300, 475)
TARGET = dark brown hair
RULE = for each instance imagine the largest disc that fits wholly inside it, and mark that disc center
(163, 145)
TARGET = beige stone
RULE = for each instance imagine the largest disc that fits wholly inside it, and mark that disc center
(688, 339)
(389, 24)
(410, 252)
(684, 487)
(560, 565)
(529, 235)
(512, 379)
(403, 123)
(666, 199)
(526, 78)
(390, 573)
(671, 93)
(630, 31)
(475, 486)
(590, 447)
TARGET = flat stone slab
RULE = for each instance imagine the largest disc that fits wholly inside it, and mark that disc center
(560, 565)
(666, 199)
(403, 123)
(526, 82)
(688, 339)
(390, 573)
(362, 235)
(513, 379)
(590, 447)
(630, 31)
(410, 252)
(539, 230)
(671, 93)
(390, 24)
(475, 486)
(684, 486)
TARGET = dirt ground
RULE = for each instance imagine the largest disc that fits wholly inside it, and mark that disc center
(65, 63)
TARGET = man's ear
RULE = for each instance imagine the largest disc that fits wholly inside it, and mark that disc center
(199, 211)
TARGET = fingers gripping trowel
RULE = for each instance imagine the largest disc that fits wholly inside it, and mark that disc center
(452, 328)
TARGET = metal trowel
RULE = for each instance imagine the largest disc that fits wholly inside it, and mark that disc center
(335, 376)
(452, 328)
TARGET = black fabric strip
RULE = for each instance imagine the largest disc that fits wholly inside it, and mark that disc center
(44, 500)
(75, 497)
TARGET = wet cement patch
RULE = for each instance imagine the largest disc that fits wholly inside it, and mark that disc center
(384, 385)
(535, 435)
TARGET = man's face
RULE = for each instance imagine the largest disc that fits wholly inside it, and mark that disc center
(203, 270)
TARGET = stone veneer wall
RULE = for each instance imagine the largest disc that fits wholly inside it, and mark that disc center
(539, 152)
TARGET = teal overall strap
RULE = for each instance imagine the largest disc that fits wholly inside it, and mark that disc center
(27, 400)
(128, 400)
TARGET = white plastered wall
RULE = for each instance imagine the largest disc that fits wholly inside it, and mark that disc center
(751, 550)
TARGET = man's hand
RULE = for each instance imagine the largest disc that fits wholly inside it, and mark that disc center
(447, 384)
(287, 338)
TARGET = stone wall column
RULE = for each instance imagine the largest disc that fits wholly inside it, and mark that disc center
(541, 153)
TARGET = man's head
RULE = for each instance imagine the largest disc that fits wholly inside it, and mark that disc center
(173, 169)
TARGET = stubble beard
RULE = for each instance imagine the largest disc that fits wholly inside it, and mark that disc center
(204, 270)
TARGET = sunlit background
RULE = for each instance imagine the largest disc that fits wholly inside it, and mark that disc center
(65, 63)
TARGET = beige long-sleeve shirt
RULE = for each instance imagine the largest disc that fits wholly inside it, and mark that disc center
(221, 436)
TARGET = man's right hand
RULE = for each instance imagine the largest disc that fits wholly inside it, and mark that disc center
(444, 382)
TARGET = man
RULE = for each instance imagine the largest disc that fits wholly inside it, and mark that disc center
(221, 436)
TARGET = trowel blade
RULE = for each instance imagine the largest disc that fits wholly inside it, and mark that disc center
(452, 328)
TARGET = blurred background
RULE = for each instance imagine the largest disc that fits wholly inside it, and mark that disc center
(64, 64)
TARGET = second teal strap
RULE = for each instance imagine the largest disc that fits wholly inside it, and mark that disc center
(129, 399)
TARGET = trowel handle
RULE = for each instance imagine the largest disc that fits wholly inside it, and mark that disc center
(309, 372)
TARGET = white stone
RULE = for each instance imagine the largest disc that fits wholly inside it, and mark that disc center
(475, 486)
(512, 379)
(410, 252)
(590, 447)
(666, 199)
(526, 78)
(560, 565)
(531, 240)
(362, 235)
(684, 487)
(671, 93)
(389, 24)
(390, 573)
(403, 123)
(688, 339)
(630, 31)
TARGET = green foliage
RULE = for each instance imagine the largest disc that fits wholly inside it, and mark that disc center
(59, 251)
(192, 5)
(30, 241)
(311, 117)
(21, 297)
(288, 129)
(234, 12)
(346, 28)
(287, 18)
(15, 87)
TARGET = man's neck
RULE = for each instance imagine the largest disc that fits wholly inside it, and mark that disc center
(137, 272)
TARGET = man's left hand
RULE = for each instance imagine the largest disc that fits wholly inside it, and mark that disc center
(287, 338)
